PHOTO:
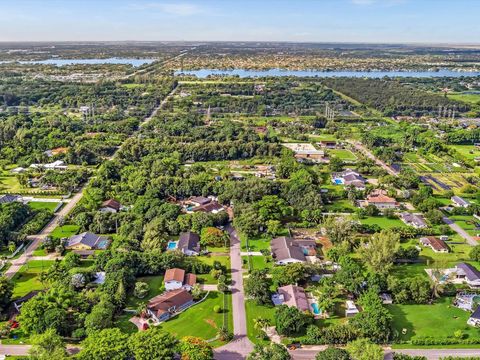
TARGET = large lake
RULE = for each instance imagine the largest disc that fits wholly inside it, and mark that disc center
(203, 73)
(63, 62)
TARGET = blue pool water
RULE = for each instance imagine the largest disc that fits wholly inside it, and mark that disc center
(338, 181)
(172, 245)
(315, 308)
(102, 244)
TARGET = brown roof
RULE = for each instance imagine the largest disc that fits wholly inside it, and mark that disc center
(212, 206)
(111, 203)
(381, 199)
(190, 279)
(162, 303)
(285, 248)
(436, 243)
(174, 275)
(294, 296)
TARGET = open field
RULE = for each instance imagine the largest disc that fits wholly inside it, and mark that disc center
(27, 279)
(439, 320)
(43, 205)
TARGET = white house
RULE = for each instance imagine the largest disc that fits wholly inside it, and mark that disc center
(177, 279)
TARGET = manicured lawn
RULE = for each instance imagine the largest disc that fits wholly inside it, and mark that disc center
(257, 262)
(155, 283)
(343, 154)
(207, 278)
(469, 151)
(467, 223)
(255, 244)
(439, 320)
(465, 97)
(27, 279)
(123, 323)
(340, 206)
(200, 320)
(383, 222)
(43, 205)
(65, 231)
(255, 311)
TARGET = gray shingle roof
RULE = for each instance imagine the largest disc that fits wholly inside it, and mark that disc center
(189, 241)
(285, 248)
(85, 238)
(471, 272)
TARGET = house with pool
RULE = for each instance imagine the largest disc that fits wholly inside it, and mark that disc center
(87, 241)
(287, 250)
(349, 177)
(188, 243)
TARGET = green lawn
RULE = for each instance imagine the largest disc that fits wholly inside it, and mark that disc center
(257, 262)
(65, 231)
(207, 278)
(439, 320)
(343, 154)
(27, 279)
(155, 283)
(383, 222)
(467, 223)
(468, 98)
(255, 311)
(43, 205)
(200, 320)
(255, 244)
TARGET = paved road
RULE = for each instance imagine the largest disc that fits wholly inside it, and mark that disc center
(360, 147)
(47, 230)
(468, 238)
(241, 346)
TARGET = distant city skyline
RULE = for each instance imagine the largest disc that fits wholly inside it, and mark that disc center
(368, 21)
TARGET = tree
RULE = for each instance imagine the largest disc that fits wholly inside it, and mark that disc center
(269, 352)
(193, 348)
(213, 237)
(101, 316)
(6, 291)
(274, 227)
(78, 280)
(475, 253)
(350, 275)
(111, 344)
(48, 345)
(332, 353)
(290, 320)
(336, 164)
(257, 286)
(434, 216)
(363, 349)
(261, 324)
(289, 274)
(71, 260)
(339, 229)
(141, 289)
(152, 344)
(379, 253)
(325, 293)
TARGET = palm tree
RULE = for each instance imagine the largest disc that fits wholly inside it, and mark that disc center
(261, 323)
(141, 309)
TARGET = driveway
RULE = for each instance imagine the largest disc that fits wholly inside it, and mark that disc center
(241, 346)
(468, 238)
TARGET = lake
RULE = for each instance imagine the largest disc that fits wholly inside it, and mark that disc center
(63, 62)
(243, 73)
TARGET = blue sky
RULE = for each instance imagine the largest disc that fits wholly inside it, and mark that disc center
(439, 21)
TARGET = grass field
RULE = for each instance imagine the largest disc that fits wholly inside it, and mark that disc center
(27, 279)
(200, 320)
(257, 262)
(155, 283)
(207, 278)
(255, 311)
(256, 244)
(465, 97)
(383, 222)
(343, 154)
(43, 205)
(439, 320)
(469, 151)
(65, 231)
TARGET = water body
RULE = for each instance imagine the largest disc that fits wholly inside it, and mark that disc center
(243, 73)
(64, 62)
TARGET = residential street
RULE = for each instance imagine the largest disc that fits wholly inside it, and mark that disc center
(47, 230)
(241, 346)
(361, 148)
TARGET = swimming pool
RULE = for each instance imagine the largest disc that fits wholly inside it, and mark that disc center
(102, 244)
(338, 182)
(315, 308)
(172, 245)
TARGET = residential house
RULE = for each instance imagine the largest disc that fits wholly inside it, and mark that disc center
(349, 178)
(468, 273)
(87, 241)
(328, 144)
(306, 151)
(474, 319)
(203, 204)
(415, 220)
(111, 205)
(177, 279)
(164, 306)
(189, 243)
(7, 198)
(460, 202)
(286, 250)
(381, 200)
(292, 296)
(437, 245)
(351, 309)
